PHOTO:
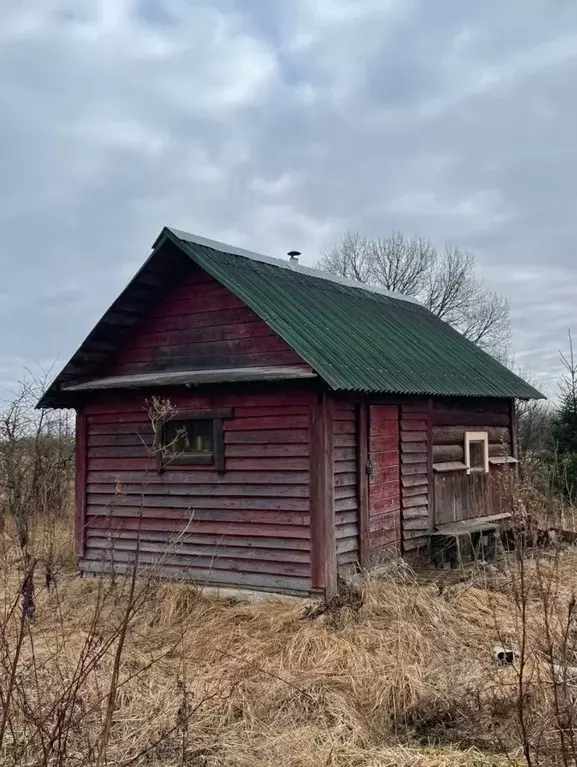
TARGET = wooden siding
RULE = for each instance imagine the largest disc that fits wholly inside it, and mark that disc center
(384, 489)
(201, 325)
(415, 475)
(346, 484)
(459, 495)
(246, 527)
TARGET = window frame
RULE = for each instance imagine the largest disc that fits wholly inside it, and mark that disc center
(214, 458)
(477, 436)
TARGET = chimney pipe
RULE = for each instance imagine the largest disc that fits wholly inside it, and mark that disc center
(294, 256)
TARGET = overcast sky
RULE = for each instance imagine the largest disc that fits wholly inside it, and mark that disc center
(278, 124)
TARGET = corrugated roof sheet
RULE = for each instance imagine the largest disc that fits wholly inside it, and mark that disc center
(357, 339)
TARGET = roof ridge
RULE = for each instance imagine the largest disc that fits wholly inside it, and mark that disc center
(293, 267)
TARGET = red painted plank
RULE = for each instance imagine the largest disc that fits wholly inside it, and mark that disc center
(172, 475)
(383, 442)
(383, 459)
(212, 576)
(390, 428)
(384, 490)
(385, 413)
(385, 521)
(184, 558)
(175, 306)
(256, 359)
(265, 437)
(195, 526)
(385, 473)
(187, 320)
(267, 422)
(380, 505)
(266, 451)
(133, 492)
(238, 347)
(135, 419)
(259, 411)
(289, 545)
(162, 516)
(190, 335)
(323, 534)
(265, 464)
(301, 398)
(122, 501)
(122, 464)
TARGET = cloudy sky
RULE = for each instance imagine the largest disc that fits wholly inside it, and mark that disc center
(278, 124)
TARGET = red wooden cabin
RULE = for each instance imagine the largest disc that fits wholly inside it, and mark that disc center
(314, 423)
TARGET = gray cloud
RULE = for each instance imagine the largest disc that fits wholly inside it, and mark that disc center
(277, 125)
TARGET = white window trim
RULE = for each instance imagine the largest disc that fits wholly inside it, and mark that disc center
(477, 436)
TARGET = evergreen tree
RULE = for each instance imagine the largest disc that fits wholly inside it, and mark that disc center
(564, 430)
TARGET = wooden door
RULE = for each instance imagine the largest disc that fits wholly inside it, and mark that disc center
(384, 495)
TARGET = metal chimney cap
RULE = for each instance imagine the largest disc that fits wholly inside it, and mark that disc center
(294, 255)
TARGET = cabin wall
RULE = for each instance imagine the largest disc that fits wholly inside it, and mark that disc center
(415, 420)
(346, 483)
(247, 527)
(459, 495)
(201, 325)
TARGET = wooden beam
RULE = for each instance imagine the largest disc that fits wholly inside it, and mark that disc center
(323, 533)
(430, 475)
(81, 453)
(363, 490)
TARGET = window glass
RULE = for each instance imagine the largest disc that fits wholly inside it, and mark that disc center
(181, 437)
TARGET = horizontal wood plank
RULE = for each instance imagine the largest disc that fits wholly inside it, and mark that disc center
(210, 577)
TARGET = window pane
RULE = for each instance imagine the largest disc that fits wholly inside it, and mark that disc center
(189, 436)
(477, 454)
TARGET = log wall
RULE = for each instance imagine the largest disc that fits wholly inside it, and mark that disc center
(246, 527)
(459, 495)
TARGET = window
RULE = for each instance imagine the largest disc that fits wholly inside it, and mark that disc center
(195, 437)
(189, 437)
(477, 451)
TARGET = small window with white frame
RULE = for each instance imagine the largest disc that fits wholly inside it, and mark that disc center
(477, 452)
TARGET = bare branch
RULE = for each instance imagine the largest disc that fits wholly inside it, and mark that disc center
(445, 282)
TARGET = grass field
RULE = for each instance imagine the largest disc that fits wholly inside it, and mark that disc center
(124, 672)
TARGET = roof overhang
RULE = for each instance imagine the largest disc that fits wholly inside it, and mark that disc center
(191, 378)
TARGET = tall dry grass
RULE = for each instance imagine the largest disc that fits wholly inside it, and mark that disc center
(407, 678)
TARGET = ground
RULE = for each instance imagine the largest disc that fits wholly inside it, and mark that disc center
(118, 673)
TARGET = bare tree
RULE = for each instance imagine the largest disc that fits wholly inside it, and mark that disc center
(445, 282)
(36, 459)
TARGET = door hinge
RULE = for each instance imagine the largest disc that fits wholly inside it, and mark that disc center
(369, 468)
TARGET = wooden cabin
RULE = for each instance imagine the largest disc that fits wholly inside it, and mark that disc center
(314, 424)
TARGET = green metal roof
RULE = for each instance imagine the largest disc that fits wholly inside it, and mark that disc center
(355, 338)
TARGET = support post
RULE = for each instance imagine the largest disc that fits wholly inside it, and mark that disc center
(363, 491)
(323, 531)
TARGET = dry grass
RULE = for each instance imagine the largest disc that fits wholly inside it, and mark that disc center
(408, 680)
